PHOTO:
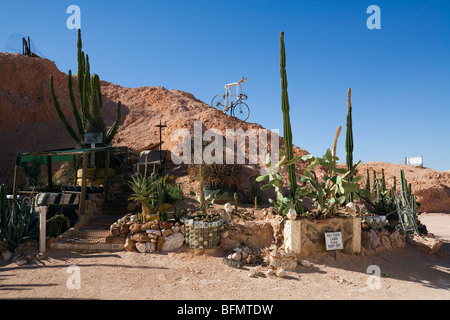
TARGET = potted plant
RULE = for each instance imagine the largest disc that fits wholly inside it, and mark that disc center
(156, 195)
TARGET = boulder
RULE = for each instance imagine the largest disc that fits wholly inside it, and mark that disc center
(167, 232)
(115, 229)
(129, 244)
(282, 260)
(145, 247)
(424, 243)
(281, 273)
(136, 227)
(146, 226)
(173, 242)
(6, 255)
(140, 237)
(124, 229)
(165, 225)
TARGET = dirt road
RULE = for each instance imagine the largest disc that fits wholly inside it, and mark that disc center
(188, 275)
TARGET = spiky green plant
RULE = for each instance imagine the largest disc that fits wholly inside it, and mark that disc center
(349, 140)
(330, 194)
(282, 203)
(287, 132)
(368, 181)
(88, 117)
(18, 223)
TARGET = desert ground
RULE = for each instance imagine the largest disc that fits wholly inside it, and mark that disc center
(186, 274)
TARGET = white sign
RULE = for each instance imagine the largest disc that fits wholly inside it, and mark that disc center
(414, 161)
(333, 241)
(93, 138)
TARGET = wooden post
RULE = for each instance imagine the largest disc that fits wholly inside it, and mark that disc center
(105, 178)
(49, 173)
(126, 164)
(75, 168)
(42, 227)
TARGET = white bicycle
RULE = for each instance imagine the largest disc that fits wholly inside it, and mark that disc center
(233, 102)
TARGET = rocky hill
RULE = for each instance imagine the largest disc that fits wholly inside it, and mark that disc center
(28, 122)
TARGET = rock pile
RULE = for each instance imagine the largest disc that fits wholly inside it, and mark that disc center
(150, 236)
(245, 256)
(373, 241)
(279, 259)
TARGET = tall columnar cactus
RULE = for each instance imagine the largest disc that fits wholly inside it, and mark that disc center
(383, 180)
(349, 139)
(89, 119)
(368, 180)
(287, 132)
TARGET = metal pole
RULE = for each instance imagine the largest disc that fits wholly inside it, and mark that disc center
(42, 228)
(16, 183)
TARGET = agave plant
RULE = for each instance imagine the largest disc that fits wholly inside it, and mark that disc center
(144, 191)
(156, 194)
(18, 223)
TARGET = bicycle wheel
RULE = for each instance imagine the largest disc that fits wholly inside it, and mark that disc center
(241, 111)
(218, 102)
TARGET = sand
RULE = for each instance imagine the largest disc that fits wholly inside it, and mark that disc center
(198, 275)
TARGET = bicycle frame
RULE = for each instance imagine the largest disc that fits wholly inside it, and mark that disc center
(228, 92)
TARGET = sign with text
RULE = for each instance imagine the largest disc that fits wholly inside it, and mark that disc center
(333, 241)
(93, 138)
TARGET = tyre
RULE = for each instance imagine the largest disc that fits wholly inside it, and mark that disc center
(241, 111)
(218, 102)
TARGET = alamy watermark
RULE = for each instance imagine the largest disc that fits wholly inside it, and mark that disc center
(74, 279)
(374, 21)
(74, 20)
(374, 281)
(235, 146)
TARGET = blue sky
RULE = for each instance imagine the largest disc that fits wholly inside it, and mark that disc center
(399, 75)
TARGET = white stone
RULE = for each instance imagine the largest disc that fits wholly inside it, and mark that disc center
(173, 242)
(21, 262)
(270, 272)
(175, 229)
(237, 256)
(153, 232)
(351, 208)
(6, 255)
(292, 214)
(281, 273)
(228, 208)
(145, 247)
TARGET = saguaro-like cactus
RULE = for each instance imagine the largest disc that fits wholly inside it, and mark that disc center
(89, 119)
(349, 139)
(287, 132)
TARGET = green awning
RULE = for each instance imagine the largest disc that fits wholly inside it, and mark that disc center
(57, 155)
